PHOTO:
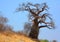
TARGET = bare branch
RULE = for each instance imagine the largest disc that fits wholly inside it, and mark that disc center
(52, 24)
(33, 13)
(43, 18)
(44, 7)
(45, 26)
(42, 26)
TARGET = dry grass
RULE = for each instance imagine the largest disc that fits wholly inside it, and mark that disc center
(13, 37)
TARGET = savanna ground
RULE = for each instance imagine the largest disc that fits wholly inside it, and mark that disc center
(14, 37)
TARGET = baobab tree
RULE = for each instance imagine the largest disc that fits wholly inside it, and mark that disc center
(38, 16)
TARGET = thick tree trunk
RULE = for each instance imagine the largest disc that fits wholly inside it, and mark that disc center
(34, 30)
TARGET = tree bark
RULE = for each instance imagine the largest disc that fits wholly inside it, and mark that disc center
(34, 30)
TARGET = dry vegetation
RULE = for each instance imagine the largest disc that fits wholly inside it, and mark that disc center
(14, 37)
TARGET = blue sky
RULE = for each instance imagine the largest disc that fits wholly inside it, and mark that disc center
(17, 19)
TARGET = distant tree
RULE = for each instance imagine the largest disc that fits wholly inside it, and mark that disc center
(38, 17)
(27, 28)
(54, 41)
(3, 20)
(3, 25)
